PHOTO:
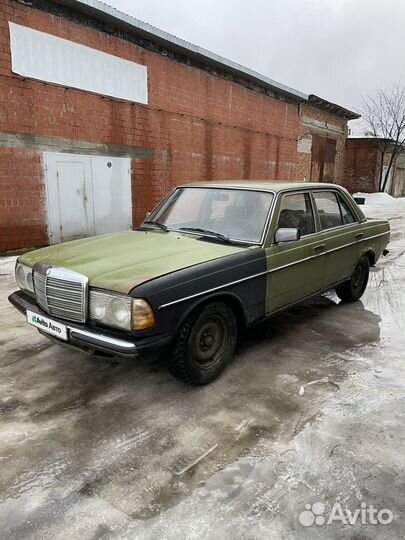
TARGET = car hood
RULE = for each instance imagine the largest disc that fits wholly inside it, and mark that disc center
(121, 261)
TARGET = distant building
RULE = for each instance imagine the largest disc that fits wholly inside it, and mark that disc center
(363, 167)
(101, 115)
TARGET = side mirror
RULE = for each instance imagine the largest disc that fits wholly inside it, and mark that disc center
(287, 235)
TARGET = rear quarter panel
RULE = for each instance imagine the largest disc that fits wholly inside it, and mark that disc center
(376, 231)
(377, 237)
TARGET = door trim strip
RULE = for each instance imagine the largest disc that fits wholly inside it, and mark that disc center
(327, 251)
(212, 290)
(230, 284)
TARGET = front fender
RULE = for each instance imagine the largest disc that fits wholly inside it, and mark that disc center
(227, 297)
(239, 278)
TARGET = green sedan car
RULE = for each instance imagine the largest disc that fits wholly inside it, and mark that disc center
(211, 259)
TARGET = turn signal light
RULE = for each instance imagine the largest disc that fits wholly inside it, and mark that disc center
(143, 316)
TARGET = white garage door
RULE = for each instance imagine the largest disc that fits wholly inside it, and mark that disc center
(87, 195)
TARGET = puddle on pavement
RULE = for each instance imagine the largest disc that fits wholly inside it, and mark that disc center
(9, 405)
(188, 474)
(274, 409)
(88, 407)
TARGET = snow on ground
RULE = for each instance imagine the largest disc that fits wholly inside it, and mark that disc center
(381, 205)
(7, 265)
(380, 198)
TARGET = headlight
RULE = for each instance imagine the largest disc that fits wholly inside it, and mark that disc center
(121, 311)
(23, 277)
(111, 309)
(98, 305)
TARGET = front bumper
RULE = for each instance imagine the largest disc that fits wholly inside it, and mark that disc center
(94, 341)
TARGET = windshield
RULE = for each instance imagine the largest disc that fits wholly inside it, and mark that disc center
(234, 213)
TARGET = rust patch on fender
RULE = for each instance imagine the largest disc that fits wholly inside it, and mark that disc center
(127, 285)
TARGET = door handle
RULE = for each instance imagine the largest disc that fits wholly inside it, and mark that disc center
(359, 236)
(320, 247)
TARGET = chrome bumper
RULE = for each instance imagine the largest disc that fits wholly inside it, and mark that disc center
(86, 340)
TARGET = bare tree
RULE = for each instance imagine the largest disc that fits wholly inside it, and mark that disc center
(384, 118)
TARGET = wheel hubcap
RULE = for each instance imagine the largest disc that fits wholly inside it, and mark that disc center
(358, 278)
(209, 341)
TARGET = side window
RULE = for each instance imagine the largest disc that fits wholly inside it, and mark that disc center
(347, 214)
(328, 209)
(296, 212)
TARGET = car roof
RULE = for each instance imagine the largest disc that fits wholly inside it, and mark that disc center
(262, 185)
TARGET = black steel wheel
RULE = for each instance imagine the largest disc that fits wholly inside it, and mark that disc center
(205, 344)
(353, 289)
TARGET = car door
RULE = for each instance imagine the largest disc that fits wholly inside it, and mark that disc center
(339, 233)
(295, 269)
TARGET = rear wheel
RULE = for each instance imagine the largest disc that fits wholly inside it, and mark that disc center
(205, 344)
(353, 290)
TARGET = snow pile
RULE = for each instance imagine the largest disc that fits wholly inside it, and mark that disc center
(7, 265)
(382, 205)
(380, 198)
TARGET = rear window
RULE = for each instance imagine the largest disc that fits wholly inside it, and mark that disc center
(347, 214)
(328, 209)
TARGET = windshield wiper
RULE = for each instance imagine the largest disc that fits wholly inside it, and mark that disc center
(218, 235)
(158, 224)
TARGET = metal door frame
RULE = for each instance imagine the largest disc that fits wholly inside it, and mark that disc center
(47, 156)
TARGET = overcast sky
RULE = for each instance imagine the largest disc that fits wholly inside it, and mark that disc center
(337, 49)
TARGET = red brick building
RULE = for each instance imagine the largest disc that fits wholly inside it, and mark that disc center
(365, 163)
(101, 115)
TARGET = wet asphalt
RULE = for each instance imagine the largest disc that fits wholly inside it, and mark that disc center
(312, 410)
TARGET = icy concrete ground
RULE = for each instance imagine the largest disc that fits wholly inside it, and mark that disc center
(311, 410)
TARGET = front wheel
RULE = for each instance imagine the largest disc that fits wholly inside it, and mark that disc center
(205, 344)
(353, 290)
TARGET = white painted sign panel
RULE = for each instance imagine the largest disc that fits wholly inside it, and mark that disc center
(304, 145)
(49, 58)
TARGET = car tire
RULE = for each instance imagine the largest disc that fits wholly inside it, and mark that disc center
(353, 289)
(205, 344)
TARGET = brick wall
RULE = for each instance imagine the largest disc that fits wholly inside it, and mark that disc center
(22, 202)
(200, 126)
(362, 166)
(363, 163)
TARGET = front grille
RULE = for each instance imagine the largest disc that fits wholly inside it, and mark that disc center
(61, 292)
